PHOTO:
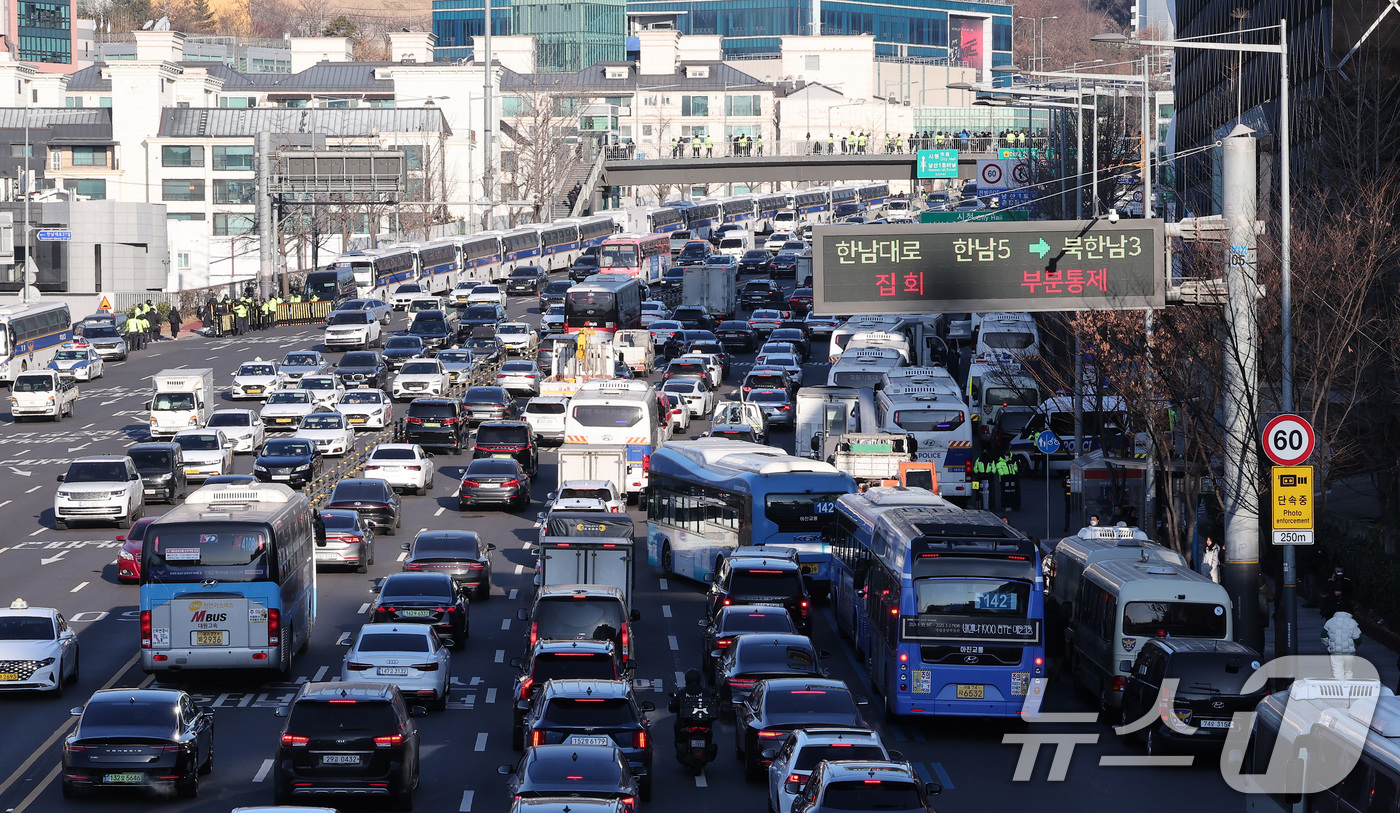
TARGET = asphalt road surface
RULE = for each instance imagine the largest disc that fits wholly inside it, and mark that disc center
(75, 571)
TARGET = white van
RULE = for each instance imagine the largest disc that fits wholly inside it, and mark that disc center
(843, 334)
(892, 339)
(1007, 337)
(990, 387)
(785, 220)
(734, 243)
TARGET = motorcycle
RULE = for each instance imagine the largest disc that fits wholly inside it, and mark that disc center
(696, 716)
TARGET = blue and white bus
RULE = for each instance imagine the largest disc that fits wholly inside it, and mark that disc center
(30, 334)
(766, 206)
(437, 266)
(592, 231)
(874, 195)
(664, 219)
(376, 269)
(518, 247)
(738, 209)
(559, 245)
(945, 607)
(479, 257)
(711, 496)
(811, 204)
(228, 581)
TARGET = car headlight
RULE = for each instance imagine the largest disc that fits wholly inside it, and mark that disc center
(126, 556)
(65, 495)
(303, 467)
(121, 493)
(257, 467)
(45, 662)
(161, 478)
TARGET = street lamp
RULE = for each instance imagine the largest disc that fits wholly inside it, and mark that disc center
(830, 108)
(1037, 54)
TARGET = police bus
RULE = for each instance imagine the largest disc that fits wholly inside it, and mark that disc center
(935, 416)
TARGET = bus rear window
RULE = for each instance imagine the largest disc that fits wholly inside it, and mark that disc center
(978, 597)
(1008, 340)
(604, 415)
(228, 552)
(1014, 396)
(929, 420)
(856, 378)
(1175, 619)
(798, 512)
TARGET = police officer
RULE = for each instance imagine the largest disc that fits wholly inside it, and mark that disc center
(982, 476)
(240, 316)
(134, 332)
(695, 145)
(675, 152)
(830, 144)
(889, 144)
(899, 143)
(758, 143)
(709, 146)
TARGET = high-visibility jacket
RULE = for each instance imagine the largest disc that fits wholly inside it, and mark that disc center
(709, 143)
(899, 143)
(133, 325)
(240, 310)
(759, 142)
(860, 140)
(695, 143)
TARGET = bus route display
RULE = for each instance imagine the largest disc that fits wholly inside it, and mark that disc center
(1052, 265)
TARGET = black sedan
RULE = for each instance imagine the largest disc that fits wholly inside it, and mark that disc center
(752, 658)
(363, 368)
(399, 349)
(526, 279)
(494, 481)
(735, 620)
(682, 339)
(489, 404)
(553, 293)
(737, 335)
(796, 336)
(755, 261)
(294, 461)
(673, 277)
(574, 771)
(435, 328)
(139, 738)
(784, 705)
(372, 499)
(484, 349)
(460, 554)
(423, 598)
(583, 268)
(784, 265)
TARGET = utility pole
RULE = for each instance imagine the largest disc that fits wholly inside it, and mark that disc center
(1240, 461)
(267, 233)
(487, 165)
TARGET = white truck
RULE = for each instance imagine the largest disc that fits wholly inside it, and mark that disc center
(712, 286)
(182, 399)
(637, 350)
(587, 548)
(871, 458)
(588, 461)
(43, 393)
(569, 371)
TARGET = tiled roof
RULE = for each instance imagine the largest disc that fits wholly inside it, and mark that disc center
(213, 122)
(593, 81)
(13, 118)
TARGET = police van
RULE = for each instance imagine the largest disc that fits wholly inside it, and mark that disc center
(864, 367)
(843, 334)
(935, 416)
(1092, 545)
(992, 386)
(1007, 337)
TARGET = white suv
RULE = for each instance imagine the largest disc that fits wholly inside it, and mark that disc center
(352, 329)
(105, 489)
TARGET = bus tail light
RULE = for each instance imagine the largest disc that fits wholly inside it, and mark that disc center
(646, 464)
(1120, 682)
(274, 627)
(145, 629)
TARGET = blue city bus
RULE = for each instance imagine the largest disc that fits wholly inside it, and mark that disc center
(712, 495)
(874, 194)
(738, 209)
(30, 334)
(592, 231)
(437, 266)
(378, 267)
(945, 606)
(480, 256)
(769, 205)
(518, 247)
(664, 219)
(228, 581)
(811, 202)
(559, 245)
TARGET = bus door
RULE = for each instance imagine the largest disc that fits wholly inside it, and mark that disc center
(836, 422)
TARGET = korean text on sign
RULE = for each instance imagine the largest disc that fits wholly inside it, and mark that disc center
(869, 252)
(1065, 280)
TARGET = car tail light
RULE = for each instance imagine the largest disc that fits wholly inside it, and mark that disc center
(274, 627)
(639, 739)
(793, 783)
(784, 408)
(470, 484)
(426, 667)
(740, 683)
(145, 629)
(646, 464)
(388, 741)
(74, 749)
(723, 643)
(536, 738)
(475, 565)
(295, 740)
(525, 688)
(356, 667)
(445, 609)
(384, 608)
(512, 483)
(625, 639)
(1120, 682)
(535, 632)
(414, 420)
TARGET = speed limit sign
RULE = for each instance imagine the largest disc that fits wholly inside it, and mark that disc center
(1288, 440)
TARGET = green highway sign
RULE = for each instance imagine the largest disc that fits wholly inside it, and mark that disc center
(1049, 265)
(937, 163)
(977, 215)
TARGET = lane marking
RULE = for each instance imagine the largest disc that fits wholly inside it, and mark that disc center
(364, 608)
(514, 591)
(700, 780)
(320, 673)
(41, 530)
(490, 695)
(263, 771)
(403, 555)
(34, 489)
(664, 586)
(943, 777)
(680, 678)
(89, 426)
(666, 610)
(505, 623)
(675, 645)
(500, 656)
(34, 794)
(438, 514)
(519, 569)
(5, 503)
(80, 586)
(481, 741)
(344, 636)
(466, 806)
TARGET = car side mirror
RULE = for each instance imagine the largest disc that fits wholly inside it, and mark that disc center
(417, 711)
(133, 476)
(716, 654)
(281, 711)
(67, 635)
(769, 754)
(823, 654)
(897, 756)
(60, 478)
(702, 623)
(406, 546)
(932, 789)
(490, 546)
(76, 711)
(634, 616)
(517, 663)
(647, 705)
(522, 614)
(505, 770)
(374, 588)
(709, 578)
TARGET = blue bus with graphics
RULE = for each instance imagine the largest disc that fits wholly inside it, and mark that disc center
(438, 264)
(228, 581)
(945, 607)
(710, 496)
(29, 336)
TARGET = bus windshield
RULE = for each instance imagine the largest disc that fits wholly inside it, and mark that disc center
(591, 304)
(225, 551)
(999, 598)
(1174, 619)
(619, 256)
(798, 512)
(928, 420)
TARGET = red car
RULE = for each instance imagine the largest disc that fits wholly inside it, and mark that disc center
(801, 300)
(129, 559)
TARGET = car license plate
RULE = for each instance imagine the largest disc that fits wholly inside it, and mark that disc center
(971, 691)
(415, 613)
(698, 743)
(433, 425)
(392, 671)
(283, 420)
(809, 567)
(357, 419)
(580, 740)
(123, 778)
(253, 390)
(327, 557)
(211, 637)
(9, 676)
(502, 456)
(340, 759)
(191, 471)
(1215, 723)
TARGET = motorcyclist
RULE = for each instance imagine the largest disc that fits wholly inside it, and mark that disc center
(693, 688)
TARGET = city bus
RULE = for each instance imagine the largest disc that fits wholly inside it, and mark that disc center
(559, 245)
(592, 231)
(518, 247)
(811, 204)
(645, 256)
(767, 206)
(738, 209)
(31, 334)
(703, 217)
(437, 266)
(480, 254)
(378, 268)
(228, 581)
(604, 302)
(874, 195)
(664, 219)
(944, 606)
(713, 495)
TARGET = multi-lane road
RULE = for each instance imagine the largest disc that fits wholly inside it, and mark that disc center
(75, 571)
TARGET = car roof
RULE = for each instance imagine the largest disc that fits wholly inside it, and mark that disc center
(135, 696)
(156, 446)
(783, 639)
(575, 687)
(1193, 645)
(753, 609)
(557, 645)
(569, 590)
(844, 769)
(402, 629)
(101, 458)
(349, 690)
(811, 736)
(799, 683)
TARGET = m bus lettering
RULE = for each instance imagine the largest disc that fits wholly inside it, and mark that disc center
(201, 616)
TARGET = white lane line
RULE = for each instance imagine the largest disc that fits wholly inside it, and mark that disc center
(519, 569)
(500, 656)
(664, 586)
(700, 780)
(680, 678)
(344, 636)
(438, 514)
(34, 489)
(675, 645)
(211, 358)
(466, 806)
(666, 610)
(80, 586)
(364, 608)
(41, 530)
(514, 591)
(89, 426)
(263, 771)
(5, 503)
(481, 741)
(320, 673)
(505, 623)
(490, 695)
(403, 555)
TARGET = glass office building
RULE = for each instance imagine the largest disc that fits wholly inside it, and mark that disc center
(457, 22)
(572, 35)
(45, 31)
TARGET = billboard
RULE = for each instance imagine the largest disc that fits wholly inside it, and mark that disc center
(965, 41)
(1053, 265)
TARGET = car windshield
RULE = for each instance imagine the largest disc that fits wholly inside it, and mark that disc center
(736, 623)
(350, 318)
(809, 756)
(485, 345)
(362, 397)
(810, 701)
(416, 585)
(558, 286)
(778, 360)
(362, 359)
(302, 359)
(774, 316)
(323, 422)
(198, 443)
(341, 521)
(424, 305)
(149, 459)
(518, 367)
(392, 642)
(71, 355)
(409, 288)
(585, 493)
(455, 357)
(289, 398)
(100, 332)
(871, 795)
(765, 583)
(287, 447)
(27, 628)
(745, 433)
(758, 654)
(257, 369)
(569, 618)
(191, 552)
(928, 420)
(33, 383)
(485, 395)
(503, 434)
(329, 719)
(513, 328)
(422, 368)
(398, 453)
(486, 290)
(491, 467)
(318, 383)
(609, 712)
(678, 386)
(167, 400)
(230, 419)
(485, 312)
(428, 324)
(1007, 340)
(404, 342)
(1017, 396)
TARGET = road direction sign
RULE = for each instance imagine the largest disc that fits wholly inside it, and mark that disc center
(937, 163)
(55, 235)
(1291, 496)
(1047, 442)
(1288, 440)
(989, 267)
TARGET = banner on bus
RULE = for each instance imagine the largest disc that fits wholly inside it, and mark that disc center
(961, 629)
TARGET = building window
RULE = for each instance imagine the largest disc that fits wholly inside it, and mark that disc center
(227, 225)
(55, 159)
(89, 156)
(182, 157)
(239, 102)
(695, 105)
(233, 158)
(744, 105)
(182, 190)
(646, 131)
(383, 103)
(184, 216)
(91, 188)
(412, 156)
(182, 260)
(340, 104)
(104, 101)
(296, 104)
(514, 105)
(21, 150)
(73, 101)
(58, 49)
(697, 72)
(240, 192)
(814, 62)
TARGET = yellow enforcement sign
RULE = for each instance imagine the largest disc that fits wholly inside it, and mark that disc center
(1292, 498)
(583, 338)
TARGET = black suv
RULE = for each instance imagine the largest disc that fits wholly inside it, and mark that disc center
(526, 279)
(595, 708)
(162, 470)
(436, 422)
(372, 499)
(399, 349)
(761, 580)
(1209, 675)
(693, 317)
(583, 268)
(761, 293)
(347, 740)
(508, 439)
(362, 368)
(435, 328)
(556, 660)
(553, 293)
(737, 335)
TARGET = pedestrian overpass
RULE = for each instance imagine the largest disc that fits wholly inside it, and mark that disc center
(749, 171)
